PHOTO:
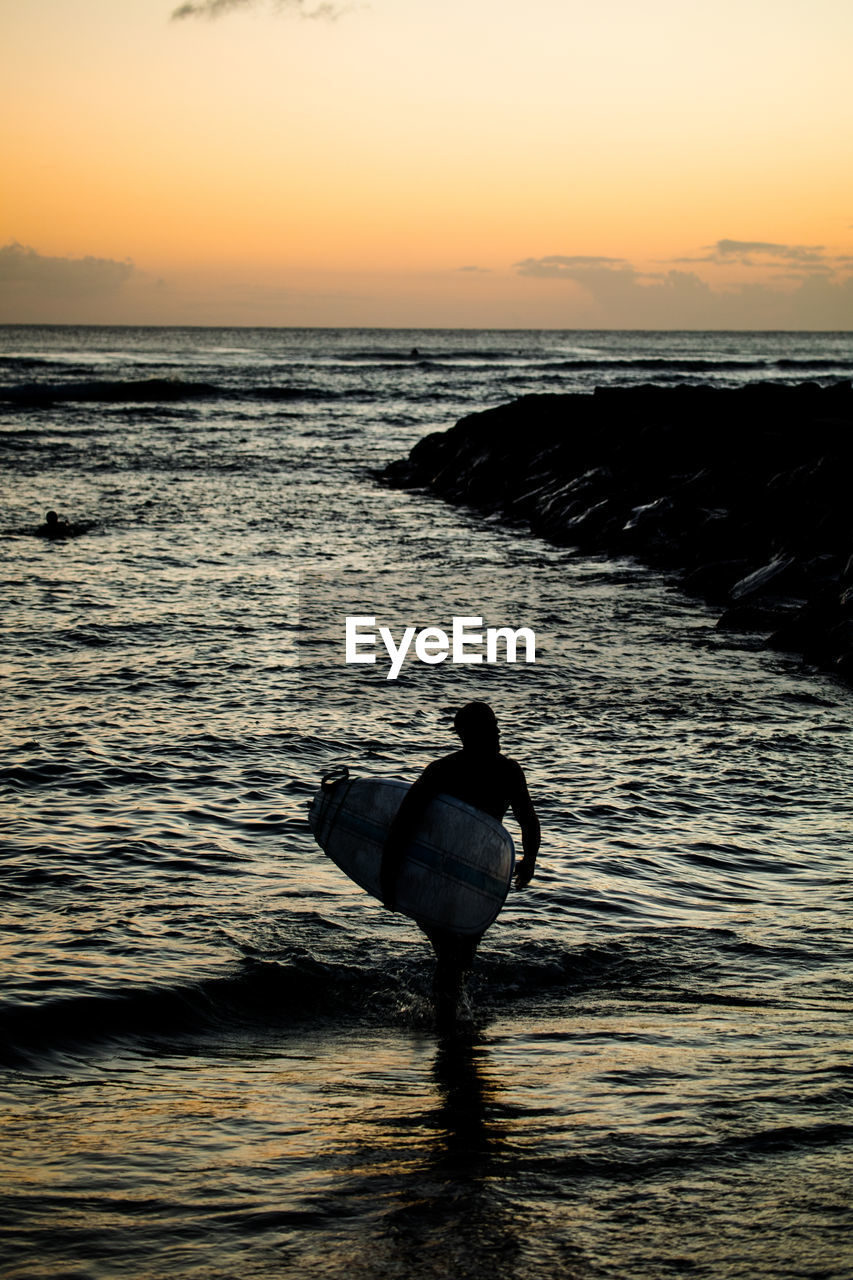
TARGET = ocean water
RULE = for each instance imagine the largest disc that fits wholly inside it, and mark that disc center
(218, 1055)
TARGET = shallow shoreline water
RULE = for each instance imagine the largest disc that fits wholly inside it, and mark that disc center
(218, 1054)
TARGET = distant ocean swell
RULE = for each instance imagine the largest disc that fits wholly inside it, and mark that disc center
(256, 386)
(153, 389)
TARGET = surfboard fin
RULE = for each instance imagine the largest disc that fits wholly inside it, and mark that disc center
(333, 777)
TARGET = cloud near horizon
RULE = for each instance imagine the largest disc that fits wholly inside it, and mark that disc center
(24, 268)
(744, 253)
(592, 291)
(218, 8)
(617, 293)
(558, 266)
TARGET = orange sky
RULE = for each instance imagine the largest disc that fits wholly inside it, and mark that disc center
(447, 163)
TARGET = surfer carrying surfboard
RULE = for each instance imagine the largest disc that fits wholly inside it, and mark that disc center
(479, 775)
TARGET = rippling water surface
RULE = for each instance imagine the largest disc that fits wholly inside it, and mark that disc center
(219, 1056)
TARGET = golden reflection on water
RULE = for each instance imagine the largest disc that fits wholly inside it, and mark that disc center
(383, 1152)
(373, 1142)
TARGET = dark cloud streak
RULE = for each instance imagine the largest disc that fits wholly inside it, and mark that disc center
(218, 8)
(785, 252)
(557, 266)
(744, 253)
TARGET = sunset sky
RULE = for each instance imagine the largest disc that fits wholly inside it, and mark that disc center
(664, 164)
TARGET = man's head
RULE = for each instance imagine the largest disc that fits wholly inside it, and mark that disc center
(477, 727)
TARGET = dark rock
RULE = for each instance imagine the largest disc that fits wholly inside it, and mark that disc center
(760, 615)
(769, 579)
(745, 491)
(844, 667)
(713, 582)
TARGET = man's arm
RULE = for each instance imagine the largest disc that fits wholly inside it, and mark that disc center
(531, 832)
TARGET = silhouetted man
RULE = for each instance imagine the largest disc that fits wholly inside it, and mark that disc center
(480, 776)
(53, 527)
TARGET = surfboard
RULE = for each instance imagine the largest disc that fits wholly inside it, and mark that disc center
(456, 872)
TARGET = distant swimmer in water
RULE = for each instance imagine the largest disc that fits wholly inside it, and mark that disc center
(480, 776)
(414, 353)
(53, 527)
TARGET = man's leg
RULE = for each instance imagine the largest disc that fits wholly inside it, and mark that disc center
(454, 958)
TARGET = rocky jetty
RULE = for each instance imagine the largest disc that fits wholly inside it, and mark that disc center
(745, 492)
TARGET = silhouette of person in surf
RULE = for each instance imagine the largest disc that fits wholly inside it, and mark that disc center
(53, 527)
(481, 776)
(56, 530)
